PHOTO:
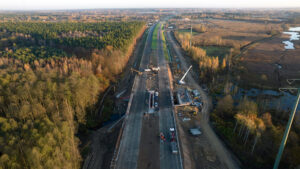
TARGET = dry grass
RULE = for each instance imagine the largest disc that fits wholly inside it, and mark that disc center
(262, 59)
(233, 33)
(259, 63)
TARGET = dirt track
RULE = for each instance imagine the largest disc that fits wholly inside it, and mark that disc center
(149, 144)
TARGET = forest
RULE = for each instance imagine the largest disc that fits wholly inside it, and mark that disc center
(51, 77)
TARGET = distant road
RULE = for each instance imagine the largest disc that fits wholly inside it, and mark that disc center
(224, 155)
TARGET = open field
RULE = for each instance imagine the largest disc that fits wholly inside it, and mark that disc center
(216, 50)
(271, 59)
(233, 33)
(261, 58)
(187, 31)
(227, 32)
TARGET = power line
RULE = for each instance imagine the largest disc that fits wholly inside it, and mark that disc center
(289, 124)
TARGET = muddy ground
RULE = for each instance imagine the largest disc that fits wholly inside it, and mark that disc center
(196, 149)
(149, 144)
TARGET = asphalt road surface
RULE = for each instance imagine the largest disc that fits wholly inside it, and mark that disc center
(225, 156)
(128, 155)
(129, 146)
(167, 159)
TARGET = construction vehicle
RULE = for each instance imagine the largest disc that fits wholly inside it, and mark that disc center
(181, 82)
(156, 96)
(138, 72)
(172, 134)
(174, 148)
(173, 142)
(155, 69)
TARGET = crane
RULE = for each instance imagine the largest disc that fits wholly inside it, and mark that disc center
(134, 70)
(181, 80)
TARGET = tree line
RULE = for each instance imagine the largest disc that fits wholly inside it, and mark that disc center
(48, 94)
(79, 34)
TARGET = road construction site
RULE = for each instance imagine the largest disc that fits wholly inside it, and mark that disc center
(204, 150)
(150, 113)
(166, 124)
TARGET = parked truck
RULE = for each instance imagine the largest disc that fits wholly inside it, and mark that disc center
(174, 148)
(173, 142)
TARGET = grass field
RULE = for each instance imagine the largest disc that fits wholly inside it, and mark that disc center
(216, 51)
(164, 44)
(154, 38)
(187, 31)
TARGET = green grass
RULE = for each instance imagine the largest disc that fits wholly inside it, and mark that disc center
(216, 51)
(187, 31)
(164, 44)
(154, 38)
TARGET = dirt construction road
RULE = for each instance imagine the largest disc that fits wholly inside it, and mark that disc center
(224, 155)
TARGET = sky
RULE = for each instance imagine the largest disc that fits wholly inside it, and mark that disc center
(92, 4)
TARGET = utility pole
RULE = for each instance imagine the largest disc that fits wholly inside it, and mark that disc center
(289, 124)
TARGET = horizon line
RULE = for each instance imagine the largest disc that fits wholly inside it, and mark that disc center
(107, 8)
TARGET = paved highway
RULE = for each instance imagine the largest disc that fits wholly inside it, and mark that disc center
(167, 159)
(129, 147)
(128, 153)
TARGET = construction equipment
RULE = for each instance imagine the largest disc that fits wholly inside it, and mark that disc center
(173, 143)
(181, 80)
(174, 147)
(138, 72)
(155, 69)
